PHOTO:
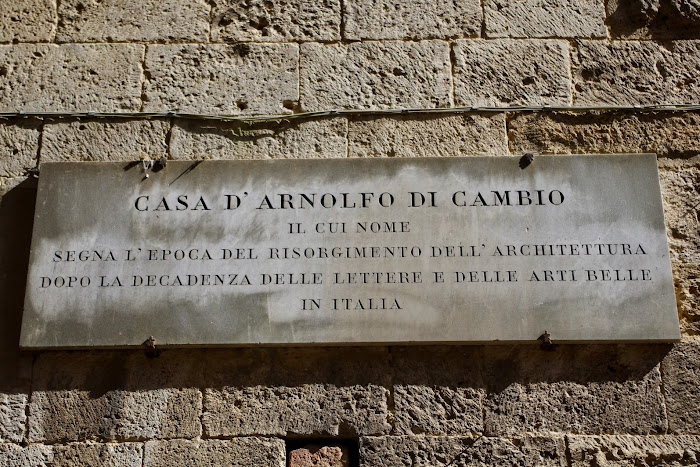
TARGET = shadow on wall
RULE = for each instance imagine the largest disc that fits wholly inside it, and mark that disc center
(16, 220)
(656, 19)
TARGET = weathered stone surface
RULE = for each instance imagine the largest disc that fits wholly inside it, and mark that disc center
(297, 392)
(72, 77)
(36, 455)
(322, 138)
(19, 146)
(427, 136)
(635, 451)
(445, 451)
(27, 20)
(104, 140)
(437, 410)
(276, 20)
(654, 19)
(680, 179)
(243, 452)
(222, 79)
(13, 417)
(687, 282)
(107, 455)
(317, 456)
(438, 392)
(688, 9)
(681, 370)
(300, 410)
(126, 20)
(375, 75)
(544, 18)
(664, 133)
(636, 73)
(411, 19)
(531, 390)
(511, 72)
(103, 395)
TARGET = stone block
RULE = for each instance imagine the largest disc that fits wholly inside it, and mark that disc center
(36, 455)
(305, 410)
(625, 450)
(27, 20)
(319, 138)
(115, 396)
(437, 410)
(222, 79)
(428, 135)
(375, 75)
(276, 21)
(688, 9)
(681, 370)
(507, 72)
(104, 140)
(71, 77)
(13, 417)
(19, 146)
(687, 283)
(653, 19)
(104, 455)
(126, 20)
(666, 133)
(316, 456)
(304, 391)
(411, 19)
(544, 18)
(537, 391)
(241, 452)
(679, 187)
(635, 72)
(436, 451)
(438, 391)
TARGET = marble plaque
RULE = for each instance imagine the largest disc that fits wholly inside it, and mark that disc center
(356, 251)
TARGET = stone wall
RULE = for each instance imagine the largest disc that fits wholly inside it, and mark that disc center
(400, 405)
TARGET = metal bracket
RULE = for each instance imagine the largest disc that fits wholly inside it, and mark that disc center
(147, 165)
(547, 343)
(151, 350)
(526, 160)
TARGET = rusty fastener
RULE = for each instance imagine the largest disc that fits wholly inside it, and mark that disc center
(526, 160)
(151, 350)
(546, 339)
(160, 164)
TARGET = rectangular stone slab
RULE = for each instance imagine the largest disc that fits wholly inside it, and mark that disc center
(433, 250)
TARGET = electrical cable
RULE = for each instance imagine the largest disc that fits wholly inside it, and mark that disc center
(349, 112)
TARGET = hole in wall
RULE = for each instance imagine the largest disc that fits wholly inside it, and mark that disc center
(350, 448)
(291, 105)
